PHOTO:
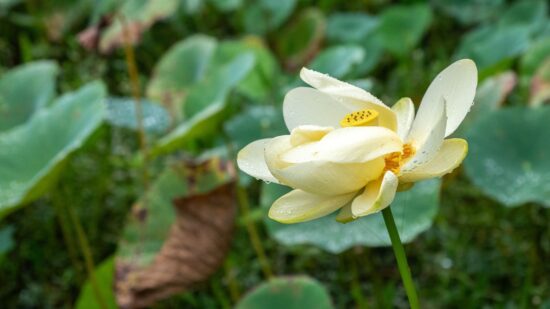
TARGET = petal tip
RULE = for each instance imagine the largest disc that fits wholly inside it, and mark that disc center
(468, 64)
(307, 74)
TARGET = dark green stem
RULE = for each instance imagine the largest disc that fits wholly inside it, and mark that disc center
(401, 258)
(253, 234)
(88, 259)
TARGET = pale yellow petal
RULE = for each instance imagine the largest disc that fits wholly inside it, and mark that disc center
(456, 85)
(347, 145)
(251, 160)
(378, 195)
(404, 111)
(308, 133)
(308, 106)
(449, 156)
(320, 177)
(354, 98)
(426, 146)
(299, 206)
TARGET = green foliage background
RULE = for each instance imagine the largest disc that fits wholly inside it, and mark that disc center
(233, 62)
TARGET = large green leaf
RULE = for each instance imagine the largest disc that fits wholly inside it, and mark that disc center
(180, 67)
(531, 15)
(356, 28)
(104, 276)
(338, 61)
(509, 151)
(288, 293)
(199, 125)
(121, 112)
(205, 102)
(510, 36)
(471, 11)
(24, 90)
(402, 26)
(489, 45)
(350, 27)
(33, 154)
(260, 82)
(215, 87)
(414, 211)
(300, 40)
(265, 15)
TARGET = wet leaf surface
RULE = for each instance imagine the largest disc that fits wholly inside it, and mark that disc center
(25, 90)
(33, 154)
(414, 211)
(509, 151)
(288, 293)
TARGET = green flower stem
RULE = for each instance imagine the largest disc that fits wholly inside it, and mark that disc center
(399, 252)
(87, 253)
(68, 236)
(255, 239)
(136, 93)
(231, 282)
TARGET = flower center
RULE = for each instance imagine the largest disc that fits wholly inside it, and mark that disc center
(363, 117)
(395, 160)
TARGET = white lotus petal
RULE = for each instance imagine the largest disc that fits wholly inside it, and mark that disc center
(299, 206)
(327, 178)
(449, 156)
(347, 145)
(320, 177)
(354, 98)
(457, 86)
(308, 133)
(426, 144)
(307, 106)
(378, 195)
(251, 160)
(404, 111)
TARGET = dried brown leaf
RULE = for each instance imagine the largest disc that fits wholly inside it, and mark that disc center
(195, 248)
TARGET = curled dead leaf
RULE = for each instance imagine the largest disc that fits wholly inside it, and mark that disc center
(129, 31)
(89, 37)
(540, 85)
(195, 248)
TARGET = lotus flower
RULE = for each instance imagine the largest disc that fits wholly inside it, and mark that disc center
(347, 150)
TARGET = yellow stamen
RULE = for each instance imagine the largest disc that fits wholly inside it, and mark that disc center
(395, 160)
(363, 117)
(408, 151)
